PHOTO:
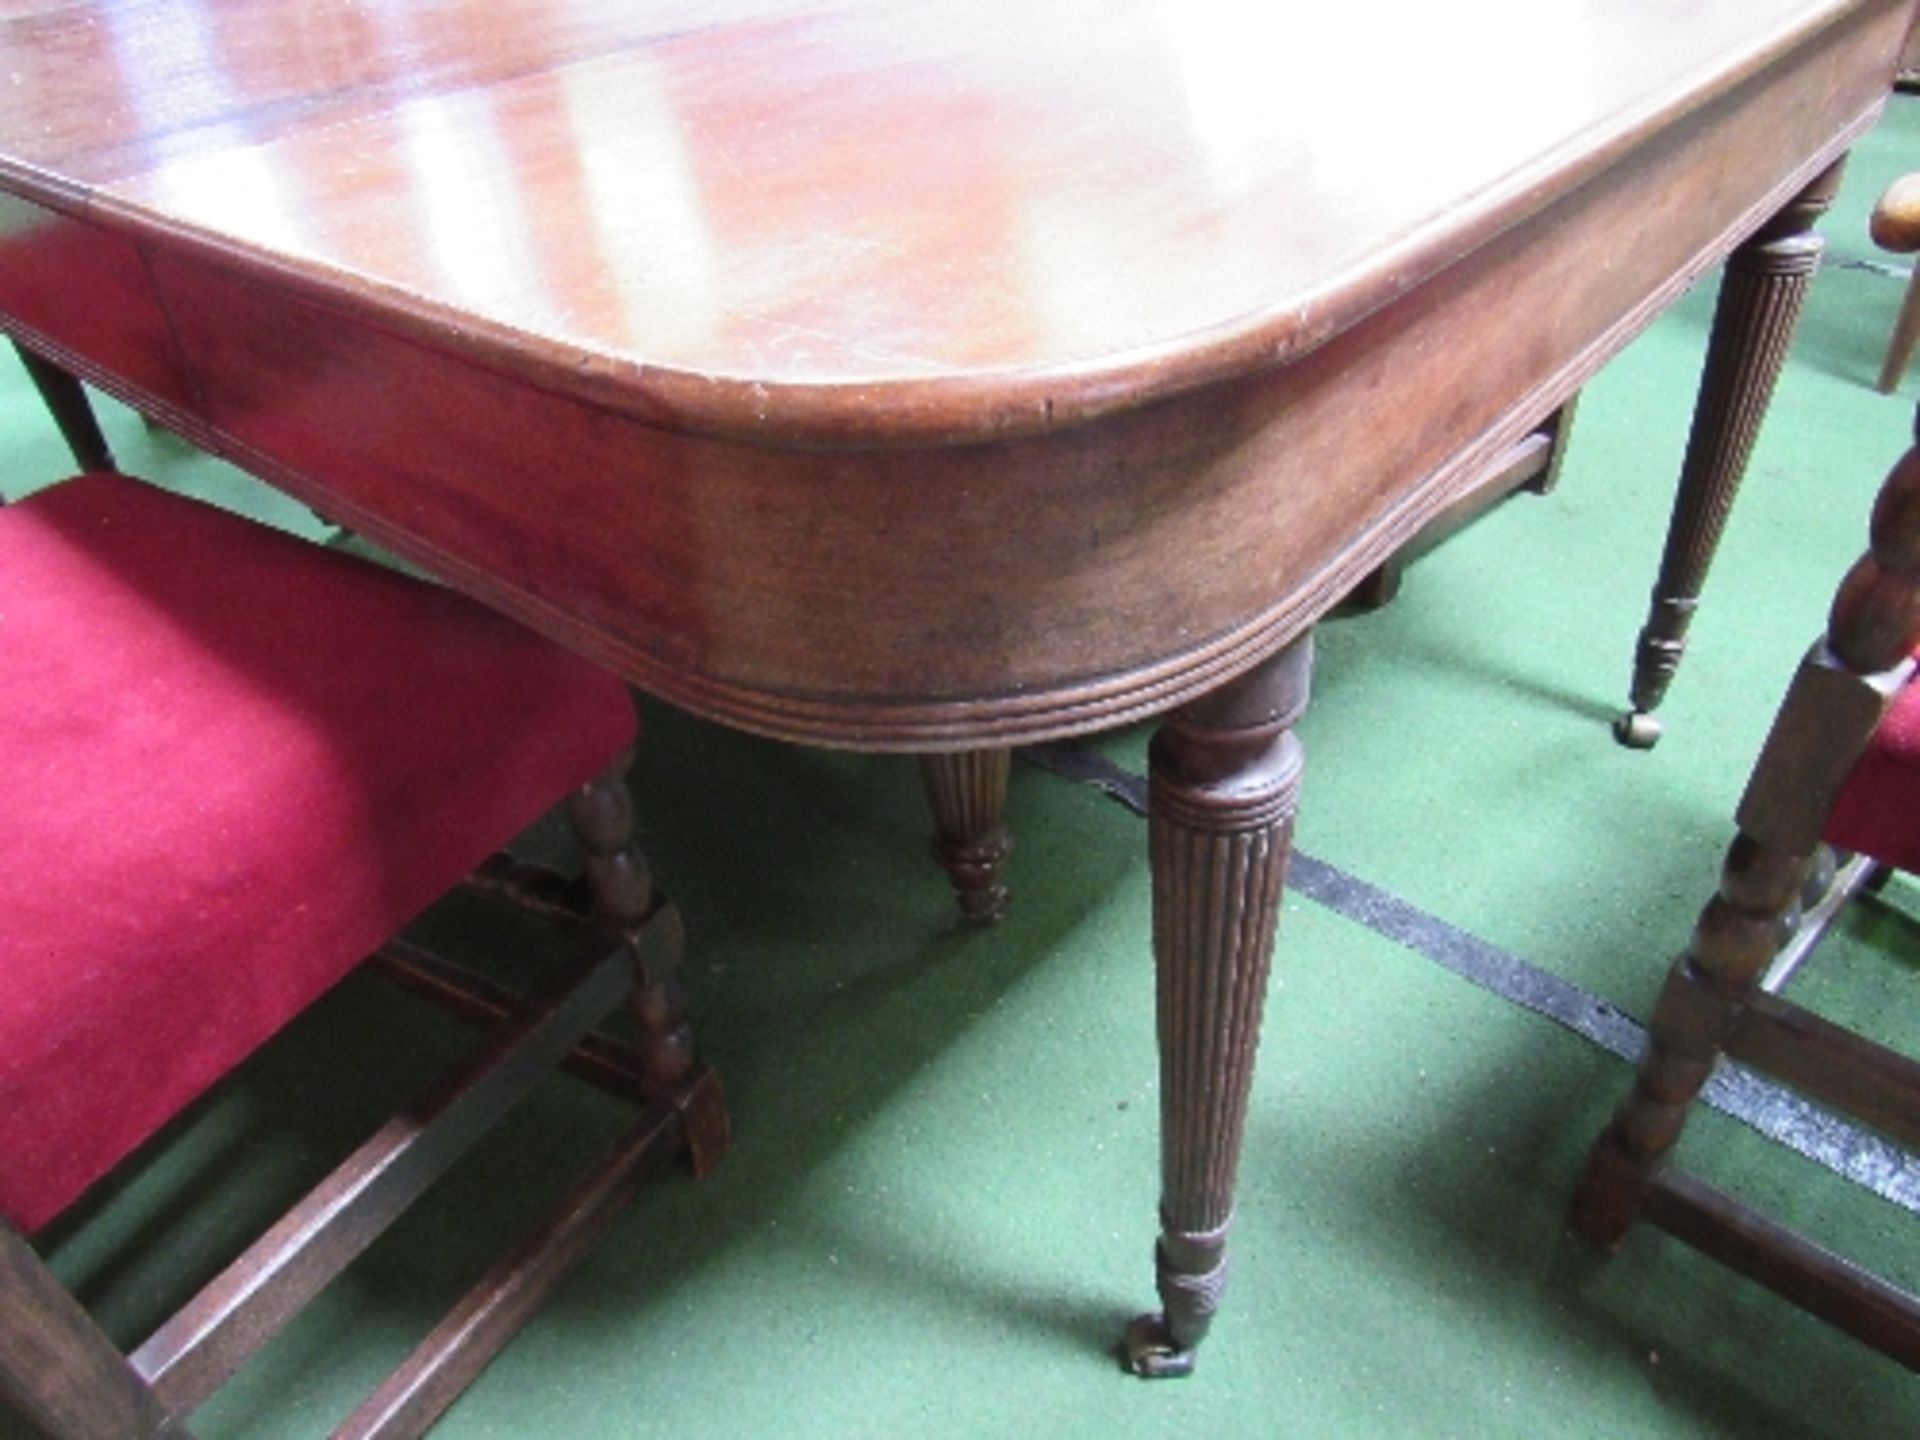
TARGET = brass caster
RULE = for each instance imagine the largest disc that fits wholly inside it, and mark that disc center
(1637, 730)
(1149, 1351)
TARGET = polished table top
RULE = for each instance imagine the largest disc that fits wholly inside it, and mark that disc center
(907, 376)
(925, 376)
(795, 216)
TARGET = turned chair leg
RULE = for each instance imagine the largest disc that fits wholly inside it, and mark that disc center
(1707, 990)
(79, 1384)
(66, 400)
(626, 905)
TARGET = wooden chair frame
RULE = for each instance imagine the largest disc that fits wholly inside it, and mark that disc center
(58, 1368)
(1716, 999)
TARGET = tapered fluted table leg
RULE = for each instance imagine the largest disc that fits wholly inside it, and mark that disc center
(1225, 775)
(66, 399)
(967, 792)
(1760, 298)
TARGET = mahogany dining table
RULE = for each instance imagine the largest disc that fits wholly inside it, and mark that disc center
(934, 377)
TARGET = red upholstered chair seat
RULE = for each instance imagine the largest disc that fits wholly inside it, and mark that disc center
(233, 764)
(1878, 812)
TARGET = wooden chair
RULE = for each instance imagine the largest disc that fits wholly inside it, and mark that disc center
(235, 765)
(1841, 766)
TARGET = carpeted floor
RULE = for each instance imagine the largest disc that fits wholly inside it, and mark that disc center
(941, 1201)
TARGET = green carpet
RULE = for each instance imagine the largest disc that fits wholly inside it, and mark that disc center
(940, 1206)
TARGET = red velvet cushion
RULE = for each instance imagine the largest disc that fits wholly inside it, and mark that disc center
(1878, 813)
(234, 763)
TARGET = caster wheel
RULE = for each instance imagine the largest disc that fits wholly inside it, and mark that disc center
(1150, 1352)
(1637, 730)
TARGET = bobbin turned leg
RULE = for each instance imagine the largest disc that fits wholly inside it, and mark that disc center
(1706, 991)
(1761, 293)
(66, 400)
(626, 905)
(1225, 771)
(967, 793)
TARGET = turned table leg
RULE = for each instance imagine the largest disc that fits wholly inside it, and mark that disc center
(66, 399)
(1760, 297)
(967, 792)
(1225, 771)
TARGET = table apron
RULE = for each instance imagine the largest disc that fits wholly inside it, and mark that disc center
(945, 596)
